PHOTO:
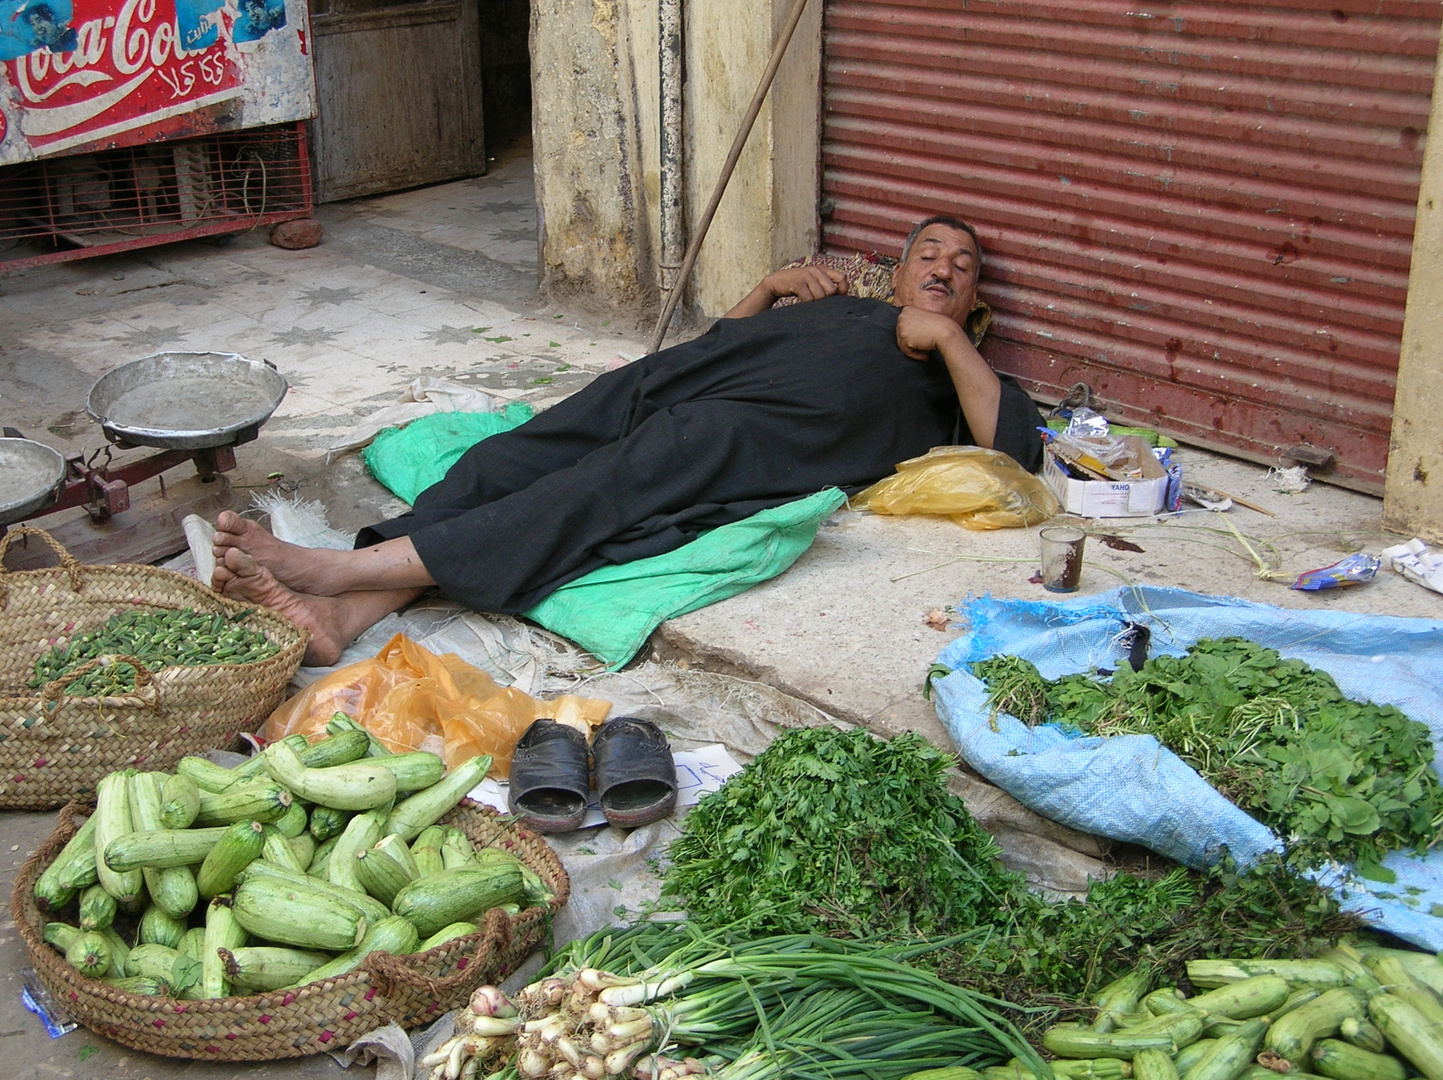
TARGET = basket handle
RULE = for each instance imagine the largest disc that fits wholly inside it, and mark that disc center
(68, 562)
(145, 690)
(388, 972)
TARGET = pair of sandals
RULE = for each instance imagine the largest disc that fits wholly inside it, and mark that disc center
(552, 768)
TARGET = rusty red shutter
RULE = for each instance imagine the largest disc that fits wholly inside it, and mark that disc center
(1202, 210)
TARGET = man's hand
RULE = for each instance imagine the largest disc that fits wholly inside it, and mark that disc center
(919, 332)
(804, 282)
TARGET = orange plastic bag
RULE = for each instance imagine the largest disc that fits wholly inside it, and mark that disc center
(977, 488)
(412, 699)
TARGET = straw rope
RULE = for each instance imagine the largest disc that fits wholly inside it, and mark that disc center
(325, 1015)
(54, 746)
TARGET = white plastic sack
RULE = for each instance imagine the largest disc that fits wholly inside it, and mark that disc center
(1130, 788)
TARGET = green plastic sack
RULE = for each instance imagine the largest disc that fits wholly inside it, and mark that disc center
(410, 459)
(612, 611)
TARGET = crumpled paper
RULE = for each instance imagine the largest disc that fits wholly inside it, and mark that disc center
(424, 396)
(389, 1047)
(1417, 562)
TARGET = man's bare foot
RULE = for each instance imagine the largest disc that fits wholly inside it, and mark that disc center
(245, 579)
(303, 569)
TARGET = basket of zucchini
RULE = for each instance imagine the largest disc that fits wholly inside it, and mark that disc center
(1363, 1013)
(109, 667)
(283, 907)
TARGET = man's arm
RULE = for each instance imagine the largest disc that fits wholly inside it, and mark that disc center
(803, 282)
(979, 390)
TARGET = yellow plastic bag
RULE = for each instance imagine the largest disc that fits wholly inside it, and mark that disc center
(977, 488)
(412, 699)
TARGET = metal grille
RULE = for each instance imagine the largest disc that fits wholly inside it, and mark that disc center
(91, 204)
(1204, 210)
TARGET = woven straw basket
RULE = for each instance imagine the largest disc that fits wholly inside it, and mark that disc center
(53, 748)
(325, 1015)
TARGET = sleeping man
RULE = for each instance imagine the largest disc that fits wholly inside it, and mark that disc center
(771, 405)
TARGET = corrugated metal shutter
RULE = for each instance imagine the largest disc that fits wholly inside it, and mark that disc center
(1203, 210)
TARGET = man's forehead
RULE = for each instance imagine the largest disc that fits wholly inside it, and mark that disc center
(947, 237)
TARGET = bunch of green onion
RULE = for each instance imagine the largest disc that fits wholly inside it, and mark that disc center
(793, 1006)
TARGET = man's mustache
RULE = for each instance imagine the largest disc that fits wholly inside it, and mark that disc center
(938, 281)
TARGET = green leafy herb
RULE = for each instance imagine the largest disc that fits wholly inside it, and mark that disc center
(1337, 778)
(839, 832)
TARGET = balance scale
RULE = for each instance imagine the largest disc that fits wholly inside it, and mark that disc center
(193, 407)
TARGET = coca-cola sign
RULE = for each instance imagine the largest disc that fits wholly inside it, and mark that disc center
(82, 73)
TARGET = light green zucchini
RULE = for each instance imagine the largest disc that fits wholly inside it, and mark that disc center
(179, 802)
(72, 870)
(359, 785)
(429, 806)
(394, 935)
(112, 814)
(237, 849)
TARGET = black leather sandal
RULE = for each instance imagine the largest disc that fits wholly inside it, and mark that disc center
(635, 772)
(550, 783)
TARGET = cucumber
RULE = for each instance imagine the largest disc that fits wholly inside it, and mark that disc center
(321, 859)
(415, 771)
(89, 954)
(426, 850)
(1230, 1056)
(179, 802)
(1362, 1034)
(140, 984)
(359, 785)
(327, 822)
(429, 806)
(1080, 1043)
(395, 935)
(341, 722)
(255, 766)
(162, 848)
(1189, 1056)
(237, 849)
(73, 869)
(269, 967)
(97, 908)
(61, 936)
(303, 847)
(458, 930)
(339, 748)
(1167, 1000)
(1114, 1000)
(159, 928)
(1418, 1041)
(1293, 1035)
(380, 876)
(161, 962)
(112, 813)
(456, 850)
(193, 943)
(1153, 1065)
(297, 915)
(119, 952)
(1209, 974)
(222, 931)
(1400, 984)
(172, 888)
(254, 800)
(362, 831)
(293, 822)
(208, 776)
(1344, 1061)
(277, 849)
(1240, 1000)
(373, 909)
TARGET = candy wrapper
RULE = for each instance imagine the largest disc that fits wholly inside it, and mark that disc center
(1354, 570)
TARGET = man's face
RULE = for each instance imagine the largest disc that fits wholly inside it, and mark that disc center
(939, 274)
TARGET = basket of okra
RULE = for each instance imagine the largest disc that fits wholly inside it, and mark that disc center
(120, 666)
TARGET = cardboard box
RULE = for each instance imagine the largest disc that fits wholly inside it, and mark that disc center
(1109, 498)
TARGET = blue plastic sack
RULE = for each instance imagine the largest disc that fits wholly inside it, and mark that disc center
(1129, 787)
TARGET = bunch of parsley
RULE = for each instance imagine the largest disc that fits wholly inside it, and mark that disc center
(1337, 778)
(843, 833)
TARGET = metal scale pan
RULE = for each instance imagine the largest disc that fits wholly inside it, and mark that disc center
(186, 400)
(31, 477)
